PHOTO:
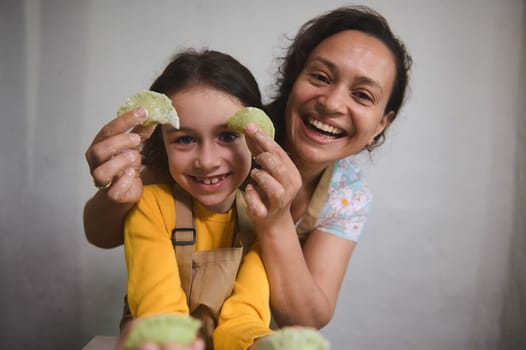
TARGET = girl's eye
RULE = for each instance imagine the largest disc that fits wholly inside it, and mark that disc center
(228, 136)
(184, 140)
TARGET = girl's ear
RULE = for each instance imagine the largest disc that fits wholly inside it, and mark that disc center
(384, 123)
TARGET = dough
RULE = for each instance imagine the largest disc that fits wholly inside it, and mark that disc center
(241, 118)
(159, 107)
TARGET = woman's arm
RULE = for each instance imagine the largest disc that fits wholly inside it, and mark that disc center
(305, 281)
(114, 161)
(104, 220)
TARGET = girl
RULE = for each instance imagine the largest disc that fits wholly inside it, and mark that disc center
(207, 162)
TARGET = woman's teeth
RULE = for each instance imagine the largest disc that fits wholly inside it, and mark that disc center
(324, 129)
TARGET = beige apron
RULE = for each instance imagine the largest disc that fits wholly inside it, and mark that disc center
(309, 218)
(207, 277)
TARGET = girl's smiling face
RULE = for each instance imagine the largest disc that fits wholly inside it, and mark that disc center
(336, 106)
(205, 158)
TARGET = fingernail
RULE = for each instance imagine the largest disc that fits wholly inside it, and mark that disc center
(135, 138)
(130, 172)
(252, 128)
(140, 114)
(130, 156)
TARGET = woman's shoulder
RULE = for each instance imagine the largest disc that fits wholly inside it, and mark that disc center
(347, 203)
(348, 170)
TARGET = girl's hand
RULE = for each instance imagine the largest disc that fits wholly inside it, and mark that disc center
(197, 344)
(114, 157)
(275, 184)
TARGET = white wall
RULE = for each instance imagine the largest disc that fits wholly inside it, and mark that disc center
(443, 258)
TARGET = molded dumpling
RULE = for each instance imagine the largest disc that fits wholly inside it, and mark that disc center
(241, 118)
(297, 338)
(159, 107)
(161, 329)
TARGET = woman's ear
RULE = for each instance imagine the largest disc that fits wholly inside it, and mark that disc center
(384, 123)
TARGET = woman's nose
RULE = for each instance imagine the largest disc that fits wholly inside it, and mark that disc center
(333, 101)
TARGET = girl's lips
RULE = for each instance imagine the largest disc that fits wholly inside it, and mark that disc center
(323, 129)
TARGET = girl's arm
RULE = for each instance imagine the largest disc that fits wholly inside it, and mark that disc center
(197, 344)
(245, 315)
(153, 277)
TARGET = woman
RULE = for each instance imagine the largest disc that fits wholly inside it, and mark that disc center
(342, 83)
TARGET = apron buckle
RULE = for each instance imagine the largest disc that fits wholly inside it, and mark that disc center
(186, 236)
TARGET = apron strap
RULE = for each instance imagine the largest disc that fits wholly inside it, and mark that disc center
(183, 237)
(316, 203)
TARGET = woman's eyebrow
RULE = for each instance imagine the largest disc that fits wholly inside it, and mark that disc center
(368, 81)
(324, 61)
(362, 79)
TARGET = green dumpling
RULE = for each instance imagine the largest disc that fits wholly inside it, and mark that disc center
(161, 329)
(241, 118)
(297, 338)
(159, 107)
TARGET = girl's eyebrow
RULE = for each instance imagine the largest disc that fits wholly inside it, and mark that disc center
(172, 130)
(360, 79)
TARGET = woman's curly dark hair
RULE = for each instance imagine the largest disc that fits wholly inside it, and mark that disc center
(316, 30)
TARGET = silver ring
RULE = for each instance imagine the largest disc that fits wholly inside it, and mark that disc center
(104, 187)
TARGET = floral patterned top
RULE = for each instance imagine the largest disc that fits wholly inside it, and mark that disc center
(344, 213)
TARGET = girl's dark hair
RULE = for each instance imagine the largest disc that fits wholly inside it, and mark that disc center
(316, 30)
(190, 68)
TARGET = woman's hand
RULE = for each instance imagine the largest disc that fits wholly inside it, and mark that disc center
(114, 157)
(114, 160)
(275, 184)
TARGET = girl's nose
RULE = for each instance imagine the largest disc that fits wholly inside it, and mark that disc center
(208, 157)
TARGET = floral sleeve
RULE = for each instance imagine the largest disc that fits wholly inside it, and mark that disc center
(345, 211)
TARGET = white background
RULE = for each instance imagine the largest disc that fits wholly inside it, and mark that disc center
(442, 263)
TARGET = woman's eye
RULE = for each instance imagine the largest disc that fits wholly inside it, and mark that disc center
(228, 137)
(184, 140)
(363, 97)
(320, 77)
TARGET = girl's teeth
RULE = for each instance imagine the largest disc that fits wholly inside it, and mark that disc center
(211, 181)
(325, 127)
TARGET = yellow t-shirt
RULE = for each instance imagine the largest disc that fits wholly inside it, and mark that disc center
(153, 276)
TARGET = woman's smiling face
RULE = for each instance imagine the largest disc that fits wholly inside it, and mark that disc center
(337, 104)
(205, 157)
